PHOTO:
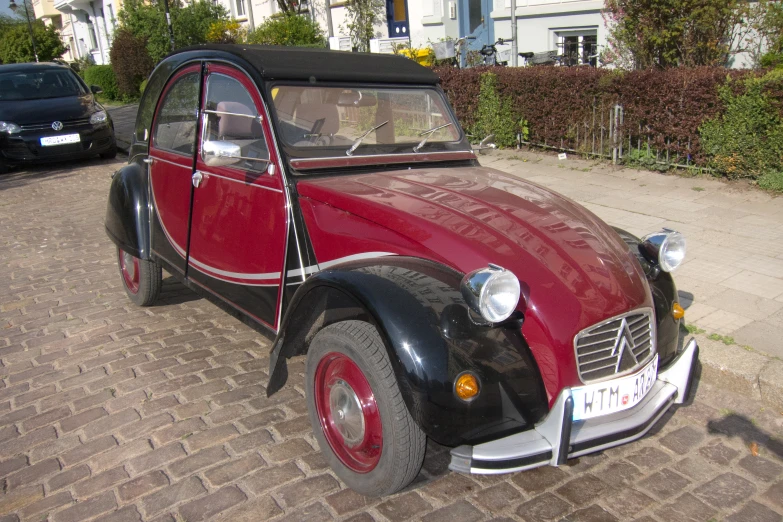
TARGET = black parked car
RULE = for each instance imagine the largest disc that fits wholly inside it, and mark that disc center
(48, 113)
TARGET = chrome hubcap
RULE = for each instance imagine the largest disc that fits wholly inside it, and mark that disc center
(347, 413)
(130, 266)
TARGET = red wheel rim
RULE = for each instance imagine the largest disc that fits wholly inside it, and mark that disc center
(348, 412)
(129, 266)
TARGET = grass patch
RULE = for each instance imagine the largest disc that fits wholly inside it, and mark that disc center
(698, 189)
(772, 181)
(728, 341)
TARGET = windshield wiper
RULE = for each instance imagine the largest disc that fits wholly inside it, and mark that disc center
(429, 133)
(358, 141)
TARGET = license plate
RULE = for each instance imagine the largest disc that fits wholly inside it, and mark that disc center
(59, 140)
(616, 395)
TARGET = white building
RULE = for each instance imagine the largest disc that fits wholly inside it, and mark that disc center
(86, 26)
(571, 28)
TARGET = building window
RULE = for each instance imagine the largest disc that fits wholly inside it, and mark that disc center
(577, 47)
(240, 8)
(111, 16)
(91, 33)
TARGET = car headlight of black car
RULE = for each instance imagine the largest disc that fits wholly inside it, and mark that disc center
(10, 128)
(492, 292)
(667, 248)
(99, 117)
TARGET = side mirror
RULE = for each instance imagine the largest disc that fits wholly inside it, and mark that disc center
(486, 143)
(95, 89)
(221, 153)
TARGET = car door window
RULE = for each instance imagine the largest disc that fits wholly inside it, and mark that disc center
(231, 116)
(177, 120)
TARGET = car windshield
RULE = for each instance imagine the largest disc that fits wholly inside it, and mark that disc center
(34, 85)
(339, 121)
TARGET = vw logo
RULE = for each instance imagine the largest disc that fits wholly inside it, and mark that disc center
(58, 125)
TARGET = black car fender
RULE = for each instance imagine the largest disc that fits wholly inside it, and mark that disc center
(128, 211)
(664, 294)
(417, 308)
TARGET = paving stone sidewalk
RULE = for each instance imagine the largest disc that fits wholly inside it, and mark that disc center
(115, 413)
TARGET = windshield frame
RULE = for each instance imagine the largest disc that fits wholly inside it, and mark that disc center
(84, 90)
(368, 153)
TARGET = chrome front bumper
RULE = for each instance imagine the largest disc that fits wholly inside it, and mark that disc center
(557, 437)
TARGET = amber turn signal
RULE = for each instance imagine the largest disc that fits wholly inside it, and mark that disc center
(467, 386)
(677, 311)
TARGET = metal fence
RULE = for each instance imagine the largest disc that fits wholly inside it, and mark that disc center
(606, 135)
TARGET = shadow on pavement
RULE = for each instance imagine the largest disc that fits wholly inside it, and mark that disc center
(24, 175)
(736, 425)
(174, 293)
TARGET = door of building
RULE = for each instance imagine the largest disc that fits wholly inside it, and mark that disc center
(397, 18)
(476, 23)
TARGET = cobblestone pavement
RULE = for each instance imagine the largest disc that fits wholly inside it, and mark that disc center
(119, 413)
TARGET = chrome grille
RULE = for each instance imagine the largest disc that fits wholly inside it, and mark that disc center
(615, 347)
(47, 126)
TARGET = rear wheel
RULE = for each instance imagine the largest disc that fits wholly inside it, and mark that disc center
(357, 412)
(142, 279)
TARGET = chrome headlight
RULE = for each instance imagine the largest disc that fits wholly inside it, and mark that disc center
(667, 248)
(98, 117)
(10, 128)
(492, 292)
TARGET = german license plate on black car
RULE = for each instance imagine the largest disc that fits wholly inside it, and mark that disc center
(616, 395)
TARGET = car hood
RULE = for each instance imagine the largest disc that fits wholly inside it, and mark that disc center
(27, 112)
(574, 269)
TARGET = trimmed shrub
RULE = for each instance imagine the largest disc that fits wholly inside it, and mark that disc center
(288, 29)
(746, 141)
(130, 61)
(103, 77)
(495, 114)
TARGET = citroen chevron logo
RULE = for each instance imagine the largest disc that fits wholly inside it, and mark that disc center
(623, 345)
(57, 125)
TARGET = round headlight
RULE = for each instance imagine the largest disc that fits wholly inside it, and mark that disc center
(98, 117)
(492, 292)
(667, 248)
(10, 128)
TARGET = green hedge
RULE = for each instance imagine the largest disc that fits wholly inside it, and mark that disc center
(711, 117)
(103, 76)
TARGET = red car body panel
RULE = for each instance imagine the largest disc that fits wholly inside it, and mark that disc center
(574, 269)
(239, 223)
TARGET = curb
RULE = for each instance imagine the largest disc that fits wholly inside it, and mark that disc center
(749, 373)
(122, 145)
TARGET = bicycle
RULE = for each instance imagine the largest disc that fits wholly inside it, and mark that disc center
(490, 52)
(451, 50)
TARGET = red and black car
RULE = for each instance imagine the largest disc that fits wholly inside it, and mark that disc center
(332, 201)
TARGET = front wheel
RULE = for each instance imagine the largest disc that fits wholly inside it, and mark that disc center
(141, 278)
(111, 153)
(358, 415)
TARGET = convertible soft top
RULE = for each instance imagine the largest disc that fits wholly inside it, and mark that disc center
(303, 63)
(282, 63)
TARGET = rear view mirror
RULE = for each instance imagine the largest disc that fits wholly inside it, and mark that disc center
(95, 89)
(221, 153)
(350, 98)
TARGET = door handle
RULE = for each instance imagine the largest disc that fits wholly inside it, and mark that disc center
(148, 160)
(197, 177)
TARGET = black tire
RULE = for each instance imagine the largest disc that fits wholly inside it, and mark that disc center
(4, 168)
(111, 153)
(404, 442)
(143, 282)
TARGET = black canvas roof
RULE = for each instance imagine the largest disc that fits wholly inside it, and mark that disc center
(303, 63)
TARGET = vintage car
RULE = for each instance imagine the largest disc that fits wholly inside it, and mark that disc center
(332, 202)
